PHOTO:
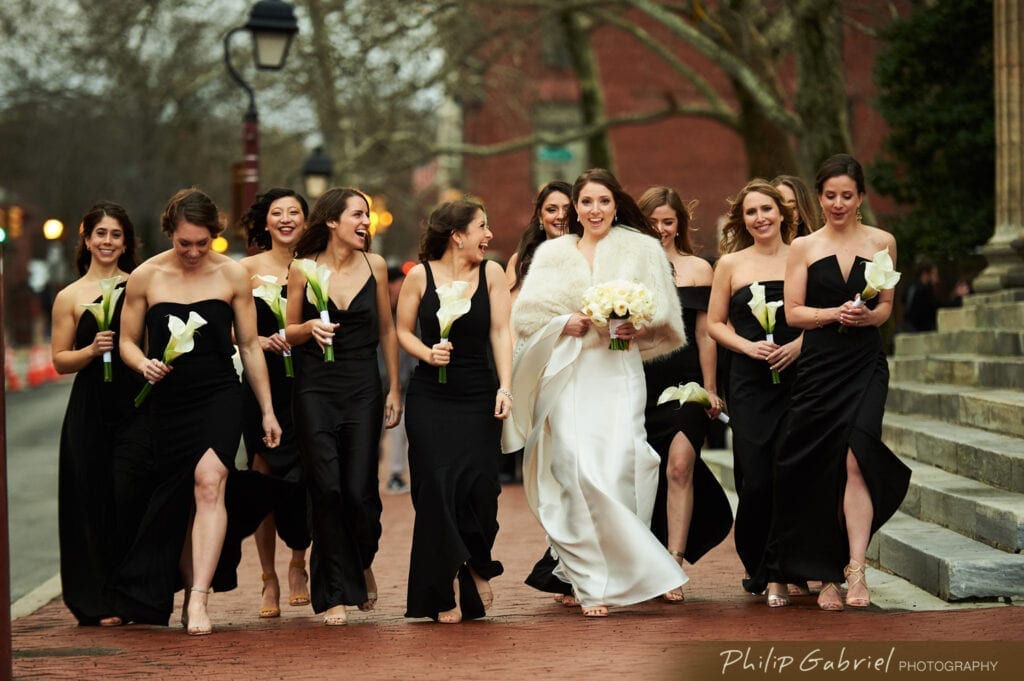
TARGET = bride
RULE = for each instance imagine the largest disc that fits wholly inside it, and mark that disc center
(590, 476)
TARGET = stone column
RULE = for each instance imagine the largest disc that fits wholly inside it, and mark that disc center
(1004, 250)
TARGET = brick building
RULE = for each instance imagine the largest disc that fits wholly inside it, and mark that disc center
(535, 89)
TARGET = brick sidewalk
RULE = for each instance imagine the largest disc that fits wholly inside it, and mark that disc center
(528, 636)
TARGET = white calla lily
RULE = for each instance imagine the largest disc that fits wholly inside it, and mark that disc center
(318, 278)
(103, 311)
(879, 275)
(182, 341)
(269, 291)
(764, 312)
(689, 392)
(453, 304)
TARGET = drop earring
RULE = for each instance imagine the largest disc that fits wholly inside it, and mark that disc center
(860, 218)
(616, 218)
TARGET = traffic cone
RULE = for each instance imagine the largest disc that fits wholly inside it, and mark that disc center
(13, 383)
(40, 367)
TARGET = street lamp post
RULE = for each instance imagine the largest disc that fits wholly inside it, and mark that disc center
(272, 24)
(316, 173)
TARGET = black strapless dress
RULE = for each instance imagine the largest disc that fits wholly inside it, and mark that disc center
(283, 460)
(712, 515)
(756, 408)
(836, 405)
(101, 427)
(196, 407)
(454, 448)
(339, 410)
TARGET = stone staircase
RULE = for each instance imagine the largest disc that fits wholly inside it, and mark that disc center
(955, 415)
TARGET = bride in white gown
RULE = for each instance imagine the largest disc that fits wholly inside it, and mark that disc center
(590, 476)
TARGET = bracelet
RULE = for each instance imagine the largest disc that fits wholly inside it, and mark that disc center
(506, 393)
(817, 321)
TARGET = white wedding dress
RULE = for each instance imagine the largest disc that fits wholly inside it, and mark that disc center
(589, 475)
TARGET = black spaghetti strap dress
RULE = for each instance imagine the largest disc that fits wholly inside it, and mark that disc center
(836, 406)
(96, 431)
(712, 515)
(195, 408)
(454, 451)
(756, 408)
(339, 408)
(283, 460)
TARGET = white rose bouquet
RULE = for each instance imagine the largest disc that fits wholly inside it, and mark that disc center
(616, 302)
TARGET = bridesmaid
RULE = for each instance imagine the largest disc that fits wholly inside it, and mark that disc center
(550, 212)
(754, 244)
(274, 224)
(454, 427)
(691, 512)
(338, 406)
(97, 411)
(806, 213)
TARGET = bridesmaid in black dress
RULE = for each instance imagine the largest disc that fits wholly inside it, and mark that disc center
(454, 428)
(99, 415)
(754, 244)
(339, 406)
(691, 512)
(836, 481)
(273, 225)
(195, 413)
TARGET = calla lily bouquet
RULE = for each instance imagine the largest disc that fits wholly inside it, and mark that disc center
(879, 276)
(764, 313)
(270, 292)
(182, 341)
(615, 302)
(318, 277)
(454, 304)
(690, 392)
(103, 311)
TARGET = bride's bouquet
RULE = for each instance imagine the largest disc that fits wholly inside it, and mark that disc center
(613, 303)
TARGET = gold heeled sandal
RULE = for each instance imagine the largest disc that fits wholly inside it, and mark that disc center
(832, 606)
(854, 573)
(270, 611)
(675, 595)
(196, 630)
(298, 597)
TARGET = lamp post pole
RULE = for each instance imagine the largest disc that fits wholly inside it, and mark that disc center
(250, 130)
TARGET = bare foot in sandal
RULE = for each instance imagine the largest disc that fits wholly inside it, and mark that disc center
(453, 616)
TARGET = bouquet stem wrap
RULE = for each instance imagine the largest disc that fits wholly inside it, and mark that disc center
(325, 317)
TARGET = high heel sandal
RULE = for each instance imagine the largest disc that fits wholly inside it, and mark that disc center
(854, 573)
(196, 630)
(483, 590)
(595, 610)
(675, 595)
(270, 611)
(336, 618)
(832, 606)
(453, 616)
(298, 597)
(371, 596)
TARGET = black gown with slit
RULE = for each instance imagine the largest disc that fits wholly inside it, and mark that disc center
(195, 408)
(283, 460)
(454, 450)
(837, 405)
(338, 409)
(99, 429)
(756, 408)
(712, 515)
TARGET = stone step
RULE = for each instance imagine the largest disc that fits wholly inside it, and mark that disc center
(945, 563)
(937, 559)
(960, 369)
(993, 409)
(986, 457)
(990, 316)
(998, 342)
(1010, 295)
(968, 507)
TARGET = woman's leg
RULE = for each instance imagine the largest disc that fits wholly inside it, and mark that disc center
(208, 529)
(266, 548)
(679, 501)
(859, 512)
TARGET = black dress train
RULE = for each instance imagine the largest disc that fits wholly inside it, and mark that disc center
(756, 408)
(339, 408)
(837, 405)
(454, 447)
(283, 460)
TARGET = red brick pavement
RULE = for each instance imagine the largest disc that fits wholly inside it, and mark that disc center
(527, 636)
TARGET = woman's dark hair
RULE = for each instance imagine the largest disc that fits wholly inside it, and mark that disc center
(194, 206)
(655, 198)
(331, 204)
(255, 220)
(128, 260)
(808, 210)
(450, 216)
(735, 236)
(626, 211)
(837, 166)
(535, 235)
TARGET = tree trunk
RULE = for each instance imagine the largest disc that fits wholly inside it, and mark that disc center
(592, 104)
